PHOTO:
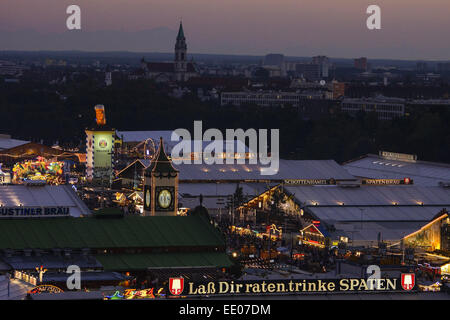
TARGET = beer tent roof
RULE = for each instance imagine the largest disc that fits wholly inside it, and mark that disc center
(94, 233)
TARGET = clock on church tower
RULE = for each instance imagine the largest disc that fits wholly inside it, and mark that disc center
(160, 185)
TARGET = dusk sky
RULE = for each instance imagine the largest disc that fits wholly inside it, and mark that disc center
(411, 29)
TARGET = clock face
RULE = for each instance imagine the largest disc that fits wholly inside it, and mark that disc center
(164, 198)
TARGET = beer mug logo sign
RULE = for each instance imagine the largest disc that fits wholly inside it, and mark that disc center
(103, 143)
(176, 286)
(100, 115)
(408, 281)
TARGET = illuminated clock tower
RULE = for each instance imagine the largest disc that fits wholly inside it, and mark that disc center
(160, 186)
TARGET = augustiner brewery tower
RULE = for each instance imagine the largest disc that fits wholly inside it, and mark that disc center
(100, 147)
(160, 186)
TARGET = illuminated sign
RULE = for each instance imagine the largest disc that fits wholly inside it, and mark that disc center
(129, 294)
(408, 281)
(353, 285)
(310, 181)
(176, 285)
(45, 288)
(103, 148)
(398, 156)
(7, 212)
(103, 143)
(387, 181)
(100, 115)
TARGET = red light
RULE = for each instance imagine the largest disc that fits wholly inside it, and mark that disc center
(407, 180)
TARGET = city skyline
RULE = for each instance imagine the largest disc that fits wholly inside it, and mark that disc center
(288, 27)
(225, 156)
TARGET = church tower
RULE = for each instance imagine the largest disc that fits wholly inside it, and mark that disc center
(180, 65)
(160, 186)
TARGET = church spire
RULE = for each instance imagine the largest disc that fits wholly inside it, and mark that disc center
(180, 32)
(180, 63)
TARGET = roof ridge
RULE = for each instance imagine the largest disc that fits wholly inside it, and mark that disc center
(161, 161)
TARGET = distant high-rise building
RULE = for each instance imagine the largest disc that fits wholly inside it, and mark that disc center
(324, 64)
(443, 67)
(274, 59)
(421, 67)
(309, 71)
(361, 63)
(290, 65)
(108, 79)
(338, 89)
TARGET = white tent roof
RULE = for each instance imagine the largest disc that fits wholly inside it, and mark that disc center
(7, 143)
(288, 170)
(43, 196)
(392, 213)
(389, 231)
(221, 189)
(422, 172)
(371, 195)
(138, 136)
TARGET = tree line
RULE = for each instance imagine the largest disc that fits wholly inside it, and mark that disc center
(34, 110)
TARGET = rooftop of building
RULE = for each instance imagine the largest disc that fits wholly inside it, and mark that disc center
(423, 173)
(288, 170)
(377, 99)
(94, 233)
(47, 196)
(6, 142)
(364, 213)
